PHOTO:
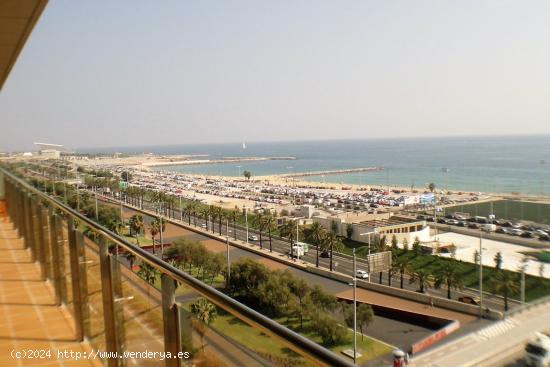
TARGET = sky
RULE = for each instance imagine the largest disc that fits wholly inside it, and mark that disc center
(126, 73)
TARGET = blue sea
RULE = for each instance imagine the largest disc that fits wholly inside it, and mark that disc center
(487, 164)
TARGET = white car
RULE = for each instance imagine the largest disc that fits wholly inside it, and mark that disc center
(252, 238)
(361, 274)
(203, 225)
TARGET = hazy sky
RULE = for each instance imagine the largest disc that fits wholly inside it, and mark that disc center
(119, 73)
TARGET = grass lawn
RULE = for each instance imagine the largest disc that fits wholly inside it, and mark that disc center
(535, 287)
(143, 240)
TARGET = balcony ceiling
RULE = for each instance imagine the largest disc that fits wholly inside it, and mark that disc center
(17, 19)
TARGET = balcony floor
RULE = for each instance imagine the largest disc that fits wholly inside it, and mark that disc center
(29, 318)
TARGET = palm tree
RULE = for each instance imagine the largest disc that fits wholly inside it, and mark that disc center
(404, 266)
(234, 216)
(221, 216)
(205, 312)
(147, 273)
(505, 283)
(448, 274)
(260, 224)
(269, 222)
(131, 259)
(393, 269)
(288, 230)
(204, 212)
(332, 241)
(136, 225)
(316, 234)
(421, 276)
(154, 229)
(116, 226)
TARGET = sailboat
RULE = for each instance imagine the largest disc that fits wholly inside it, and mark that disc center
(244, 145)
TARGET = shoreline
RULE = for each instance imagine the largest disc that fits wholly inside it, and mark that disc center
(198, 162)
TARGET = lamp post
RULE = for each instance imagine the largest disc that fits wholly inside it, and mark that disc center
(246, 221)
(355, 309)
(522, 285)
(227, 281)
(481, 274)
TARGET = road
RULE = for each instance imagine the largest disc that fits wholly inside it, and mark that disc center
(342, 263)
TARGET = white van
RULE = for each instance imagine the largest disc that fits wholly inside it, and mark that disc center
(489, 227)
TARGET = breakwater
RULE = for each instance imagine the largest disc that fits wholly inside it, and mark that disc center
(333, 172)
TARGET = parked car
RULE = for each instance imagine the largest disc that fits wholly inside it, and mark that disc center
(516, 232)
(527, 234)
(500, 230)
(252, 237)
(473, 226)
(452, 222)
(361, 274)
(469, 300)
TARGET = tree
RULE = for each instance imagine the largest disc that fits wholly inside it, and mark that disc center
(321, 300)
(154, 229)
(365, 316)
(269, 225)
(247, 175)
(131, 259)
(136, 225)
(506, 284)
(416, 246)
(334, 227)
(405, 244)
(234, 216)
(260, 225)
(315, 235)
(431, 187)
(421, 276)
(394, 242)
(329, 330)
(449, 275)
(331, 241)
(274, 294)
(349, 230)
(126, 176)
(288, 230)
(148, 273)
(246, 277)
(404, 265)
(300, 288)
(205, 312)
(498, 260)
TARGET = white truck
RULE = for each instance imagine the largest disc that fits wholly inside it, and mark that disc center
(538, 351)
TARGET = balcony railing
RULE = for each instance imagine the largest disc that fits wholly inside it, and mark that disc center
(120, 313)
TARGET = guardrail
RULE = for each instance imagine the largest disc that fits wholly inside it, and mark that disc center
(52, 232)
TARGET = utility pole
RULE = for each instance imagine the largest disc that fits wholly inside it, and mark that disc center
(480, 274)
(228, 280)
(354, 310)
(246, 220)
(96, 211)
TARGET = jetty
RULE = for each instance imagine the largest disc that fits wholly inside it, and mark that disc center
(214, 161)
(332, 172)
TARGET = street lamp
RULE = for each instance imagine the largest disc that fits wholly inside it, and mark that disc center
(481, 248)
(227, 251)
(367, 234)
(523, 269)
(246, 221)
(355, 309)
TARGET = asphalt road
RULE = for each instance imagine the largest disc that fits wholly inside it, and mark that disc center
(342, 263)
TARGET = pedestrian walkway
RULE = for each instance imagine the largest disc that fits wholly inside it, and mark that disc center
(30, 322)
(475, 348)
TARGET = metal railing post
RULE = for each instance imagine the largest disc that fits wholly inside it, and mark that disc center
(32, 229)
(54, 250)
(26, 221)
(41, 239)
(170, 315)
(108, 298)
(75, 279)
(47, 246)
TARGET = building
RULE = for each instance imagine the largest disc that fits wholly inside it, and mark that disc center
(380, 224)
(50, 151)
